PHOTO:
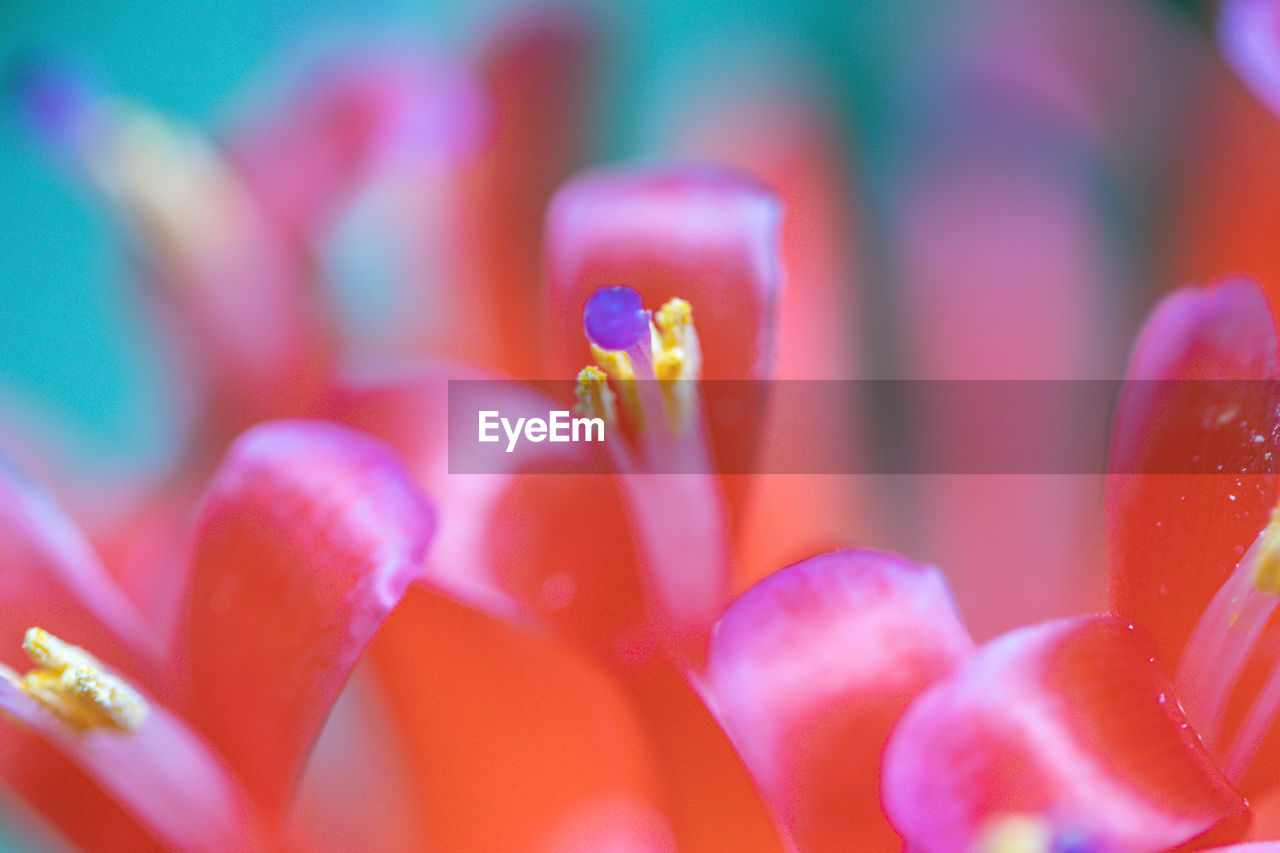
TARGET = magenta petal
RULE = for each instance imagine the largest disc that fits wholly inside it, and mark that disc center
(164, 775)
(1070, 721)
(50, 577)
(308, 537)
(808, 671)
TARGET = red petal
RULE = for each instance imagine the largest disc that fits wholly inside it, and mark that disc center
(1071, 721)
(163, 775)
(785, 139)
(712, 801)
(705, 235)
(1174, 538)
(538, 74)
(511, 735)
(556, 545)
(1002, 270)
(518, 740)
(1225, 187)
(810, 669)
(308, 536)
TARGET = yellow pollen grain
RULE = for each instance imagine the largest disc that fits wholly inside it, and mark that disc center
(73, 684)
(614, 362)
(672, 319)
(1266, 569)
(1015, 834)
(669, 364)
(595, 398)
(617, 364)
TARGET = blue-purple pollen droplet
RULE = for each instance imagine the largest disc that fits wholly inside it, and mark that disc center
(615, 318)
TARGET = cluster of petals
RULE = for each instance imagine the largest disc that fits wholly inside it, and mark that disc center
(568, 659)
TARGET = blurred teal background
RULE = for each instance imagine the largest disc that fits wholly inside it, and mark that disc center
(73, 340)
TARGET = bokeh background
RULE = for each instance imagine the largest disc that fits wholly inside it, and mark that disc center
(1007, 188)
(74, 342)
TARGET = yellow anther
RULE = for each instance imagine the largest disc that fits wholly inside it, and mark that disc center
(669, 364)
(73, 684)
(672, 319)
(1266, 569)
(1015, 834)
(675, 355)
(614, 362)
(595, 398)
(617, 364)
(674, 332)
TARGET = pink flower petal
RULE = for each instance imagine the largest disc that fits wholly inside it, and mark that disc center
(1249, 35)
(163, 775)
(1070, 721)
(537, 72)
(810, 669)
(308, 537)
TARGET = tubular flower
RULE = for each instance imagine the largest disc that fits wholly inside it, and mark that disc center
(1072, 729)
(307, 537)
(568, 668)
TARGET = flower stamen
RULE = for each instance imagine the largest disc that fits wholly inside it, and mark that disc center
(1222, 643)
(595, 398)
(74, 685)
(616, 325)
(648, 359)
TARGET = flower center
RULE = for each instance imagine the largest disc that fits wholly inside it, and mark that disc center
(634, 348)
(1221, 645)
(73, 685)
(646, 361)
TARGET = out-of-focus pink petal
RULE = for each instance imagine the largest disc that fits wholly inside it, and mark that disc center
(308, 536)
(704, 234)
(1003, 273)
(50, 577)
(1225, 190)
(1249, 34)
(236, 290)
(557, 546)
(163, 775)
(1071, 722)
(810, 669)
(1174, 538)
(786, 140)
(346, 116)
(537, 73)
